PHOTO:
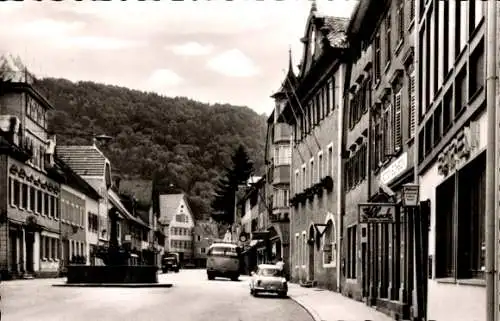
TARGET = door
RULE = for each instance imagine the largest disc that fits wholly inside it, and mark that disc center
(13, 251)
(311, 253)
(30, 239)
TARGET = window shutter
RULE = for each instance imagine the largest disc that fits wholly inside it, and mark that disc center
(398, 139)
(413, 107)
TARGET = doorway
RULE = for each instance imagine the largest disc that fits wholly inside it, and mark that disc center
(311, 243)
(30, 240)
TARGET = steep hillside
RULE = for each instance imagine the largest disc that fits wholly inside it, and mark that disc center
(182, 141)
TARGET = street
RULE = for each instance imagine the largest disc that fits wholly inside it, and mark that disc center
(192, 298)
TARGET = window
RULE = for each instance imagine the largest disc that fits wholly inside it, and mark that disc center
(202, 250)
(460, 92)
(447, 110)
(428, 136)
(182, 218)
(282, 155)
(329, 168)
(32, 199)
(16, 192)
(320, 165)
(388, 130)
(412, 113)
(446, 48)
(412, 11)
(437, 124)
(24, 196)
(312, 177)
(351, 252)
(46, 204)
(303, 186)
(461, 30)
(465, 259)
(377, 58)
(388, 34)
(401, 20)
(297, 182)
(329, 245)
(398, 135)
(476, 70)
(475, 14)
(332, 94)
(39, 197)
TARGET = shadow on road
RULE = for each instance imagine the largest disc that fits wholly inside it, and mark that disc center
(271, 296)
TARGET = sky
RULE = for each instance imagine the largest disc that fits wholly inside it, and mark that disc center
(213, 51)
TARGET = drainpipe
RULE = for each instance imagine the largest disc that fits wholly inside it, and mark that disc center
(491, 208)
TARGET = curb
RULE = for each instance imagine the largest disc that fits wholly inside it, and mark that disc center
(308, 309)
(117, 285)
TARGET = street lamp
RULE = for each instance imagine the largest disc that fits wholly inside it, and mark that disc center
(410, 195)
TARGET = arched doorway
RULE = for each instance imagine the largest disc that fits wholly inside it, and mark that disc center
(310, 243)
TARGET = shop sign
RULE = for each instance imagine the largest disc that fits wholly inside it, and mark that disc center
(394, 170)
(459, 149)
(377, 213)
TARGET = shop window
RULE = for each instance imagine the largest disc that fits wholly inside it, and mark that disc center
(351, 252)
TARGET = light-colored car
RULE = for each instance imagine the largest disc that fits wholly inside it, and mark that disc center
(268, 278)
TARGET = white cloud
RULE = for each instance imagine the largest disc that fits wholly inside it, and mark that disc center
(161, 79)
(48, 28)
(192, 49)
(97, 43)
(233, 63)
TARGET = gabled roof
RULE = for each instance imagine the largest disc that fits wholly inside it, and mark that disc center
(75, 181)
(84, 160)
(170, 202)
(115, 200)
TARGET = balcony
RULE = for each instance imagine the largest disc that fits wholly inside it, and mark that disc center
(281, 174)
(282, 132)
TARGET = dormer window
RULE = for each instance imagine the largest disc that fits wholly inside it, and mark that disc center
(312, 42)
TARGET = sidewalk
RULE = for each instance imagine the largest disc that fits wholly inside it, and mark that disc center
(325, 305)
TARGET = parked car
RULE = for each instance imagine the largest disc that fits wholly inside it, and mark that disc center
(268, 278)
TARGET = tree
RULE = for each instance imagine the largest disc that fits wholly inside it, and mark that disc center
(225, 189)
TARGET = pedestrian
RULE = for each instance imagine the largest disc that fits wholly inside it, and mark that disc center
(280, 264)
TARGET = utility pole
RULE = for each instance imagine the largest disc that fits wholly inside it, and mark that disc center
(491, 165)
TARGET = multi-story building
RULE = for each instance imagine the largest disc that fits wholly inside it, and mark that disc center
(94, 167)
(178, 221)
(205, 232)
(76, 199)
(29, 188)
(379, 149)
(314, 110)
(278, 159)
(452, 139)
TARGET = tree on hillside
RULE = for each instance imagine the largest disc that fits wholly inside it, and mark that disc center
(239, 173)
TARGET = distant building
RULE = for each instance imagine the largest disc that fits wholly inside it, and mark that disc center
(205, 232)
(178, 221)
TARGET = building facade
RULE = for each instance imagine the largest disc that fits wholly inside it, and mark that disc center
(205, 232)
(178, 220)
(93, 166)
(278, 160)
(379, 146)
(314, 110)
(451, 82)
(29, 192)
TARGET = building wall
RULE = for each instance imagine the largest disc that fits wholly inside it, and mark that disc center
(73, 221)
(99, 184)
(180, 233)
(4, 194)
(321, 209)
(91, 225)
(449, 46)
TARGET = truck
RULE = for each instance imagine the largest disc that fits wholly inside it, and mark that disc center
(170, 262)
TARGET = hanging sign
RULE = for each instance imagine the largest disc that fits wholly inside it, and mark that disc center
(377, 212)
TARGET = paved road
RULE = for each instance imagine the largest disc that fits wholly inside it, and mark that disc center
(192, 298)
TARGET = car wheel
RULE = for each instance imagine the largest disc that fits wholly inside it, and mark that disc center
(234, 278)
(251, 291)
(210, 276)
(255, 293)
(282, 294)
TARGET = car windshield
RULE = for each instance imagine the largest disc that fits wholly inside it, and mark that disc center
(269, 272)
(224, 251)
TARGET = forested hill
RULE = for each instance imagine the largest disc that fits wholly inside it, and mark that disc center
(185, 142)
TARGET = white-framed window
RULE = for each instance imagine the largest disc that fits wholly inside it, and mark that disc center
(282, 155)
(330, 245)
(297, 182)
(320, 165)
(304, 178)
(329, 166)
(312, 177)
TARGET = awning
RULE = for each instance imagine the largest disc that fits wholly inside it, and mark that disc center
(252, 245)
